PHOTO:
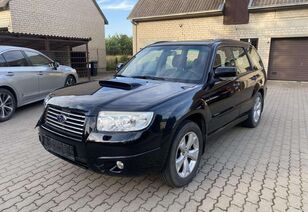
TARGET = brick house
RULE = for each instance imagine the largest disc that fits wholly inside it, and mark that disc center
(64, 30)
(278, 28)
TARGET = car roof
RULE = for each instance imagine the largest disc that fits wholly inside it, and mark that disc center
(202, 42)
(8, 48)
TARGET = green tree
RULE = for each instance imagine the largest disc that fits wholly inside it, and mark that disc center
(119, 44)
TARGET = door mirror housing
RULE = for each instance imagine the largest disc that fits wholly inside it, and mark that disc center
(119, 66)
(225, 72)
(55, 65)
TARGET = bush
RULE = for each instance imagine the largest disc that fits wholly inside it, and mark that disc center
(119, 45)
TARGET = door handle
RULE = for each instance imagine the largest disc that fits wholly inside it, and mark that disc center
(10, 74)
(40, 73)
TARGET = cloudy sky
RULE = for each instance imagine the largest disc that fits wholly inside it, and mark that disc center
(116, 12)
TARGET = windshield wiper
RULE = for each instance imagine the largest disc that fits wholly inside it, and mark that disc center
(149, 77)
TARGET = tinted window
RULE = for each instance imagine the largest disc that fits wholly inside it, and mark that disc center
(37, 59)
(2, 62)
(255, 59)
(15, 58)
(241, 60)
(224, 58)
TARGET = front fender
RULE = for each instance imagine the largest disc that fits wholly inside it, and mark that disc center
(180, 112)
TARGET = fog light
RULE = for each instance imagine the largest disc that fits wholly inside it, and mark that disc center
(120, 164)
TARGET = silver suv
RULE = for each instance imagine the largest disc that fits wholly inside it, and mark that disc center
(27, 76)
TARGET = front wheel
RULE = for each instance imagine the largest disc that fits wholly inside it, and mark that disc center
(7, 105)
(70, 81)
(254, 116)
(185, 156)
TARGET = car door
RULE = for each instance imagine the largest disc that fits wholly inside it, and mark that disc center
(221, 96)
(21, 76)
(49, 78)
(246, 78)
(256, 76)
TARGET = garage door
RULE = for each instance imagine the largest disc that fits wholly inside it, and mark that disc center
(289, 59)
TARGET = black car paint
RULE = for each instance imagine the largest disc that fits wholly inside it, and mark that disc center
(215, 103)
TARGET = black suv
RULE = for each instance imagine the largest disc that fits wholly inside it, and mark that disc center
(158, 111)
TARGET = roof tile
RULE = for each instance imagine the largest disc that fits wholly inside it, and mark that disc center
(160, 8)
(271, 3)
(150, 8)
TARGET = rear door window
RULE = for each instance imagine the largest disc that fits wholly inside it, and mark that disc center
(15, 58)
(241, 60)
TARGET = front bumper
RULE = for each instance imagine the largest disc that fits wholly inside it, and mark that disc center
(138, 156)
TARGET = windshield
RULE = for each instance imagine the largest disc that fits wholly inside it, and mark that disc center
(174, 63)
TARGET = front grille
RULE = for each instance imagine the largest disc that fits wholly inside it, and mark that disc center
(73, 126)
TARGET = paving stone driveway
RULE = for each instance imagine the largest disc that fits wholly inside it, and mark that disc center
(259, 169)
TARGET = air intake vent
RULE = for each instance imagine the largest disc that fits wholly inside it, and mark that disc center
(119, 85)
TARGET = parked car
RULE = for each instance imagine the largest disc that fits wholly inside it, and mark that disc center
(158, 112)
(27, 76)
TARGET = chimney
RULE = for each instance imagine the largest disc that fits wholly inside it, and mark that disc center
(236, 12)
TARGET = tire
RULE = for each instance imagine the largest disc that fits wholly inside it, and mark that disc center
(7, 105)
(70, 81)
(177, 177)
(255, 114)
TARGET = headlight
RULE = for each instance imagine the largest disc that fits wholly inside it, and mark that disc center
(46, 100)
(123, 121)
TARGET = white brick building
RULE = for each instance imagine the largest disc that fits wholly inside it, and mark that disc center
(78, 19)
(278, 28)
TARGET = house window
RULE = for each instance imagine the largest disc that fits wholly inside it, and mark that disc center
(252, 41)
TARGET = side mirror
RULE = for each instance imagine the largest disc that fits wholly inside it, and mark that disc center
(225, 72)
(119, 66)
(55, 65)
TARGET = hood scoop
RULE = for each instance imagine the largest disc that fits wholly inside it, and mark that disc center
(119, 85)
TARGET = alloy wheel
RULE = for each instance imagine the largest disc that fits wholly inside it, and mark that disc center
(6, 105)
(257, 110)
(187, 154)
(70, 81)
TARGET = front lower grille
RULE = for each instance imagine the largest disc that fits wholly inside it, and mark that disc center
(66, 122)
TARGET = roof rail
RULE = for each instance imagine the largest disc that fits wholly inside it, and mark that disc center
(159, 42)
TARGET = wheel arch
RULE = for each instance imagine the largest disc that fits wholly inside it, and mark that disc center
(71, 75)
(197, 117)
(12, 91)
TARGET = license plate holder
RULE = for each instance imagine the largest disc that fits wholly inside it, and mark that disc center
(59, 148)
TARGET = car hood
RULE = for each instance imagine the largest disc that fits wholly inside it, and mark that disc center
(120, 94)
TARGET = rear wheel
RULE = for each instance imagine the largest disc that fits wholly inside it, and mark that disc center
(185, 156)
(70, 81)
(7, 105)
(255, 113)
